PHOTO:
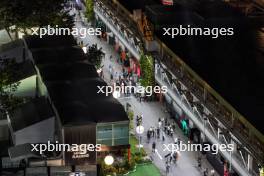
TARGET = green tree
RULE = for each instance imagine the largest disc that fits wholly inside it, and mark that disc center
(95, 55)
(147, 71)
(25, 14)
(89, 10)
(8, 85)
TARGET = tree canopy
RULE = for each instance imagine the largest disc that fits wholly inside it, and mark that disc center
(33, 13)
(89, 10)
(95, 55)
(8, 71)
(147, 71)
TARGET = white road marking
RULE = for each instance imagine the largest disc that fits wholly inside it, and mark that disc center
(158, 154)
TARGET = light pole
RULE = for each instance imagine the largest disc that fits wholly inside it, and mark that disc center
(84, 49)
(116, 94)
(139, 130)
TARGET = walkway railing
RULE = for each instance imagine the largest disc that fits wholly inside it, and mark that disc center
(199, 121)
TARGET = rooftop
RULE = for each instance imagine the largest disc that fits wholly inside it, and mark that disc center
(72, 85)
(49, 41)
(79, 99)
(22, 71)
(58, 55)
(75, 71)
(30, 113)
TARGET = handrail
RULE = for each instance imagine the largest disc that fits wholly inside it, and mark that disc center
(214, 93)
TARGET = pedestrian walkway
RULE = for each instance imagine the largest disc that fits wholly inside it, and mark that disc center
(187, 164)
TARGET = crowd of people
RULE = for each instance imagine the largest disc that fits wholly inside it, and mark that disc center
(164, 130)
(161, 130)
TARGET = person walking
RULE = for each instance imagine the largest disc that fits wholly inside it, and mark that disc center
(165, 129)
(168, 130)
(111, 72)
(167, 167)
(174, 157)
(163, 136)
(177, 156)
(151, 130)
(176, 142)
(148, 136)
(173, 125)
(171, 157)
(111, 77)
(171, 132)
(116, 76)
(160, 123)
(153, 147)
(205, 173)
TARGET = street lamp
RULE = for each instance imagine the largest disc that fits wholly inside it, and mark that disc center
(99, 70)
(109, 160)
(139, 130)
(116, 94)
(84, 49)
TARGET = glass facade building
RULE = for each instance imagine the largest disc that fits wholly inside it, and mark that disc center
(113, 134)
